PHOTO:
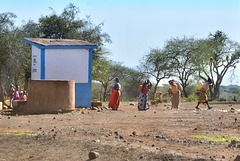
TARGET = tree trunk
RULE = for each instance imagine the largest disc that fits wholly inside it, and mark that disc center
(104, 92)
(1, 91)
(155, 88)
(212, 94)
(217, 92)
(27, 77)
(185, 92)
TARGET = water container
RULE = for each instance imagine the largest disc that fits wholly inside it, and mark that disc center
(0, 105)
(7, 102)
(200, 86)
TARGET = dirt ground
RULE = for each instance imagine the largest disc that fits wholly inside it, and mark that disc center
(160, 133)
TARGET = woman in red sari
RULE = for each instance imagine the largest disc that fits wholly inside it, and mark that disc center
(115, 96)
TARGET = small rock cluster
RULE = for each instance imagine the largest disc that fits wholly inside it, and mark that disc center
(93, 155)
(99, 108)
(234, 144)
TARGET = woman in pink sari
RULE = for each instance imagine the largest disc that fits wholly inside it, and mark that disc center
(16, 94)
(115, 96)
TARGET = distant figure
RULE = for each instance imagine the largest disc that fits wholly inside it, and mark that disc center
(176, 94)
(203, 94)
(23, 96)
(143, 96)
(16, 94)
(234, 98)
(11, 93)
(115, 96)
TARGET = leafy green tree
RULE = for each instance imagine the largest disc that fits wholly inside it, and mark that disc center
(105, 72)
(217, 55)
(6, 45)
(130, 83)
(158, 65)
(182, 53)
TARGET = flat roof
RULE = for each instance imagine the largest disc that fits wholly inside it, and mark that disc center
(59, 42)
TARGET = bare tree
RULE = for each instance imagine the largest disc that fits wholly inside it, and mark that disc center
(182, 51)
(217, 56)
(158, 65)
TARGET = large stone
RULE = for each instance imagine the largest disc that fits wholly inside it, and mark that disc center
(93, 155)
(96, 104)
(237, 158)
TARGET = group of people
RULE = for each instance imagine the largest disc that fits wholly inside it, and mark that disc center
(15, 95)
(143, 90)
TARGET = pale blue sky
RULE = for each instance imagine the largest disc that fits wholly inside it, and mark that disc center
(135, 26)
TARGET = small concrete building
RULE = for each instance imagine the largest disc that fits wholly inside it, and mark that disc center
(64, 59)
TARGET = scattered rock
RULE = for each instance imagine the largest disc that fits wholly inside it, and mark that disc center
(94, 108)
(83, 112)
(96, 104)
(134, 133)
(8, 117)
(96, 141)
(120, 137)
(54, 118)
(116, 133)
(132, 104)
(195, 128)
(237, 158)
(234, 144)
(158, 137)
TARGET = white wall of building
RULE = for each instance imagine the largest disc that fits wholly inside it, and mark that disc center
(36, 63)
(67, 64)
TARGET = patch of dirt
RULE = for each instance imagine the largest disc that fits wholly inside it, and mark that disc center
(127, 134)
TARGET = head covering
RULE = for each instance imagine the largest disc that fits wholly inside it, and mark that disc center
(210, 81)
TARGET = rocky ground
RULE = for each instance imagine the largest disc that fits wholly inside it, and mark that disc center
(127, 134)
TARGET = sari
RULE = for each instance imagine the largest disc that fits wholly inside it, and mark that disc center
(202, 97)
(176, 95)
(143, 98)
(115, 98)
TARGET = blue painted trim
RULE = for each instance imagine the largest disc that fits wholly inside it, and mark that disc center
(83, 94)
(30, 42)
(61, 47)
(31, 60)
(90, 66)
(42, 63)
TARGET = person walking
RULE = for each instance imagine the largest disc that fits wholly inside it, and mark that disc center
(143, 95)
(203, 99)
(114, 102)
(176, 94)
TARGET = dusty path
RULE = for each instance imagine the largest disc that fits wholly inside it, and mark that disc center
(127, 134)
